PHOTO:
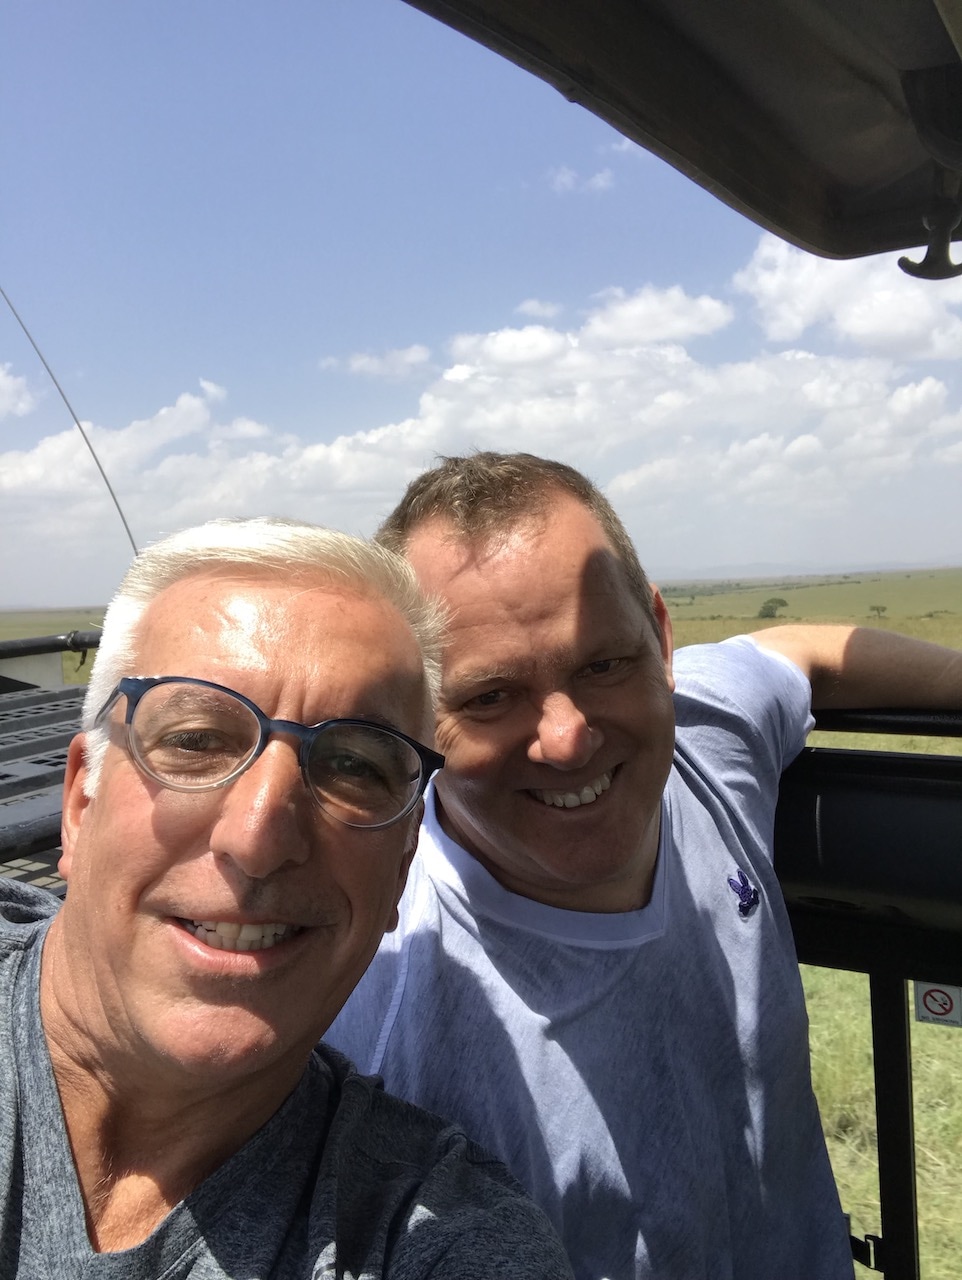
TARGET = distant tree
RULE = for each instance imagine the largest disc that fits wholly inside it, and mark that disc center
(877, 609)
(771, 607)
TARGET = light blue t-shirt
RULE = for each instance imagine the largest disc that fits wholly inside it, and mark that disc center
(645, 1075)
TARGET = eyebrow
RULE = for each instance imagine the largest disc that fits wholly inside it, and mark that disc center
(484, 675)
(512, 671)
(565, 656)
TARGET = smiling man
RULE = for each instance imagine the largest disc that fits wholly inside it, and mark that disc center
(239, 818)
(594, 970)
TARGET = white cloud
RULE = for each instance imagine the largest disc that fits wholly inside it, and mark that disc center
(564, 179)
(391, 364)
(15, 397)
(805, 450)
(534, 344)
(951, 455)
(212, 391)
(625, 146)
(537, 309)
(867, 302)
(654, 315)
(767, 456)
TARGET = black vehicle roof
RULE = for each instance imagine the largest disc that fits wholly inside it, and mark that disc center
(835, 123)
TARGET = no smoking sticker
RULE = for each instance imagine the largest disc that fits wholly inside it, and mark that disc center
(938, 1002)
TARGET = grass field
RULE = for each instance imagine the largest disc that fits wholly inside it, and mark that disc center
(924, 594)
(923, 603)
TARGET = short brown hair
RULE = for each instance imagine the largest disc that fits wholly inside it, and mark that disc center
(482, 493)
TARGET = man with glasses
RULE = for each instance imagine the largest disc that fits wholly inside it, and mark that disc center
(240, 814)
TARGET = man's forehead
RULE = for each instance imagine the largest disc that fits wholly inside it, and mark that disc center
(440, 551)
(263, 607)
(238, 594)
(331, 648)
(441, 543)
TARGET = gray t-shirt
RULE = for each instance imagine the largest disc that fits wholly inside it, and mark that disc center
(645, 1075)
(342, 1181)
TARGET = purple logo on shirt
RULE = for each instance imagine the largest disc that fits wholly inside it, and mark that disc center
(747, 893)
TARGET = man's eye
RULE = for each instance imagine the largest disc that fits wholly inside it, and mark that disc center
(349, 765)
(602, 667)
(484, 701)
(193, 752)
(200, 740)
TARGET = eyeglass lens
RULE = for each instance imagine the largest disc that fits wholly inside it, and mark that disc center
(191, 737)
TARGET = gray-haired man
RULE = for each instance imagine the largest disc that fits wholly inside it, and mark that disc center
(239, 817)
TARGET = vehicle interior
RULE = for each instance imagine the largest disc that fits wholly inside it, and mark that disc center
(837, 125)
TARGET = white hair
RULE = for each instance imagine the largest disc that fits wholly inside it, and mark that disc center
(265, 545)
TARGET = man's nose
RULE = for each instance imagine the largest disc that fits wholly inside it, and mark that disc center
(563, 738)
(267, 818)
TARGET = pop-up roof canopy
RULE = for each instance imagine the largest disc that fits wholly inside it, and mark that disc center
(835, 123)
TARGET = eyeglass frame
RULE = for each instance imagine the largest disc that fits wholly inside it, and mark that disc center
(133, 689)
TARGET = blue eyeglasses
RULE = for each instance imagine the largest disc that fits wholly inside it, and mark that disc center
(192, 735)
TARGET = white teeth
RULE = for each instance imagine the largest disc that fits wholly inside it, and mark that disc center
(573, 799)
(225, 935)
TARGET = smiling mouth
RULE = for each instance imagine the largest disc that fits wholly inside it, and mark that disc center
(587, 794)
(229, 936)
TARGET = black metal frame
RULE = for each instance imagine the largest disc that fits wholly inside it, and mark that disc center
(68, 642)
(860, 897)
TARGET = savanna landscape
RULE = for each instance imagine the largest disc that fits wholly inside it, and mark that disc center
(926, 603)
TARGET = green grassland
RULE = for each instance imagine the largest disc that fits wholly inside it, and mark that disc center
(918, 593)
(923, 603)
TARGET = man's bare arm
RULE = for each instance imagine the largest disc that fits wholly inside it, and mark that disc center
(861, 667)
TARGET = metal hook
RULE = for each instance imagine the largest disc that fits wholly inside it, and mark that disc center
(937, 265)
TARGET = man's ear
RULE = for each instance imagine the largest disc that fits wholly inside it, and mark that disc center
(75, 803)
(663, 619)
(414, 830)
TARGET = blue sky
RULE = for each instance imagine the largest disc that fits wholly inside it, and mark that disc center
(280, 257)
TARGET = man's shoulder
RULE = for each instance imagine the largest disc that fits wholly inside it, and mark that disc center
(23, 909)
(463, 1213)
(739, 652)
(393, 1131)
(741, 712)
(739, 674)
(734, 651)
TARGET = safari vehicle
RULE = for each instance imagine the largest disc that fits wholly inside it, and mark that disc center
(837, 125)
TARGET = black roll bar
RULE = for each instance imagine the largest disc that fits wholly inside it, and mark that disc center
(868, 850)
